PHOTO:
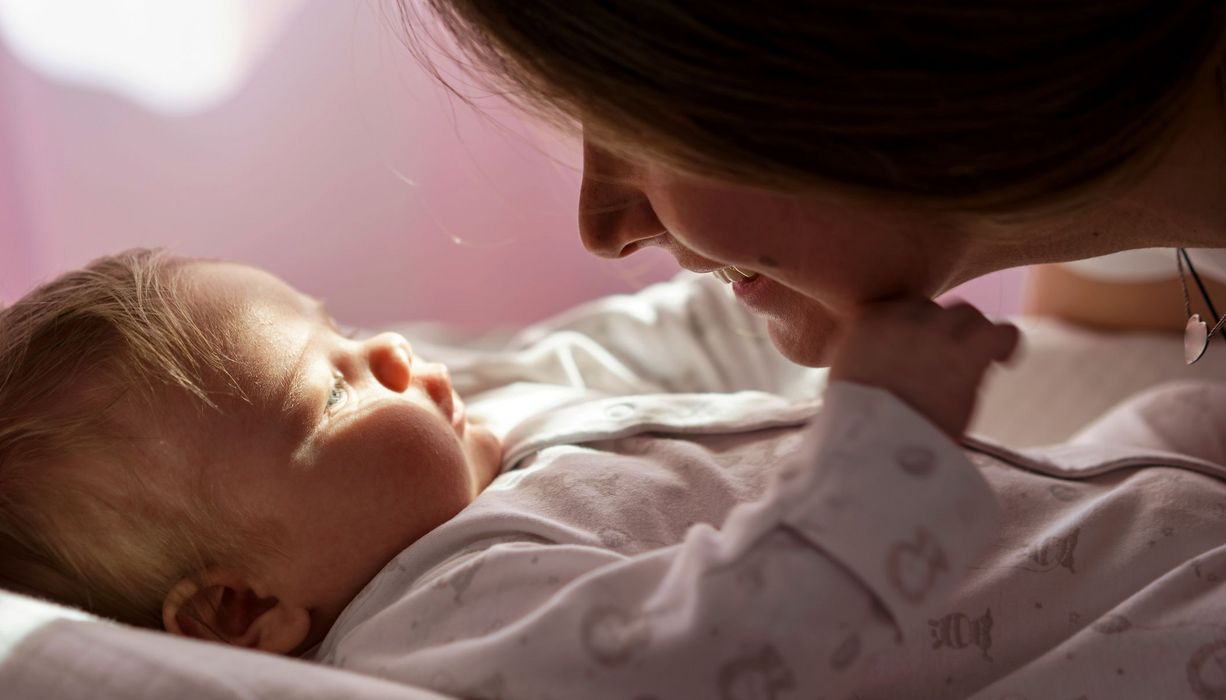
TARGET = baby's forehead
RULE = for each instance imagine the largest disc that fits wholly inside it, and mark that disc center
(261, 325)
(231, 287)
(237, 301)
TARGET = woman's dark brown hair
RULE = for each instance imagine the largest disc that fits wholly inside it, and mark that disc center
(990, 105)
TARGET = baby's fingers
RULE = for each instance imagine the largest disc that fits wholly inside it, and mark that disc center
(963, 320)
(968, 324)
(996, 341)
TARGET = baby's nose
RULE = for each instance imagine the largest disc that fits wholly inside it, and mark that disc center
(391, 360)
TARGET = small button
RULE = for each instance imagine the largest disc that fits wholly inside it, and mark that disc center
(620, 410)
(916, 461)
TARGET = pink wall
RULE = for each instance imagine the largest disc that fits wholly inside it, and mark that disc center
(298, 173)
(18, 258)
(303, 172)
(998, 294)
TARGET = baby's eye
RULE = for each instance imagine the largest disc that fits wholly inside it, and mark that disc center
(338, 394)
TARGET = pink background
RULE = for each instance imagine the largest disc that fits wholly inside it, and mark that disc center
(304, 172)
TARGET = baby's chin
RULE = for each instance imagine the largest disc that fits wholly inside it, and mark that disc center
(484, 452)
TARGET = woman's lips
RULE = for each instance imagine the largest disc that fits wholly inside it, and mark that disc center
(754, 293)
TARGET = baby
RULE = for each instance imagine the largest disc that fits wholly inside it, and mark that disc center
(176, 437)
(643, 498)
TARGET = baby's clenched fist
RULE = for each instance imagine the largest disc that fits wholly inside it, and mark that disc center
(930, 357)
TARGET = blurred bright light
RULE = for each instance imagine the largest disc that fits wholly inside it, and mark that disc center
(170, 55)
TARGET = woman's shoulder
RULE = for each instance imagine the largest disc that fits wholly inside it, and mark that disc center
(1135, 290)
(1148, 265)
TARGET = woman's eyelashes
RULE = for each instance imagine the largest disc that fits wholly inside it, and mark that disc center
(337, 395)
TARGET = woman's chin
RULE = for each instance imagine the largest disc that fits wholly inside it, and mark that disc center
(805, 339)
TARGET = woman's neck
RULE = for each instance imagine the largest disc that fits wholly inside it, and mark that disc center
(1179, 202)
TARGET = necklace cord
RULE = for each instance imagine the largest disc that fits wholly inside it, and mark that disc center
(1204, 293)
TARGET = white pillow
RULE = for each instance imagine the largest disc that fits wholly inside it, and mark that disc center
(49, 652)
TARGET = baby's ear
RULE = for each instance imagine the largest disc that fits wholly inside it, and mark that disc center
(222, 606)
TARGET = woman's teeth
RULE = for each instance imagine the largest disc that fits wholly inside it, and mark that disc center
(731, 274)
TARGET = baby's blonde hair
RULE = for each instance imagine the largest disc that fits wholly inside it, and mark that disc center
(79, 523)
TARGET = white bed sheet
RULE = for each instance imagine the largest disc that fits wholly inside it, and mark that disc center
(53, 653)
(1064, 378)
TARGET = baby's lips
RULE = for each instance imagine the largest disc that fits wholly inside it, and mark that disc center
(436, 382)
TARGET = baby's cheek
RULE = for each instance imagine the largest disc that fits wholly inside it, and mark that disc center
(416, 457)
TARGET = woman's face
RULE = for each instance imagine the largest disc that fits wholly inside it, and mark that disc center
(818, 257)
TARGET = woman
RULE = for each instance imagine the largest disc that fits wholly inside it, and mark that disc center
(848, 151)
(828, 155)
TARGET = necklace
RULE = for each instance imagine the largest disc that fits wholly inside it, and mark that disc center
(1195, 336)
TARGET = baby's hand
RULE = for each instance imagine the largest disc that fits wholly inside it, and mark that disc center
(930, 357)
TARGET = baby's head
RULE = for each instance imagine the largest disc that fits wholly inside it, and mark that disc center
(194, 446)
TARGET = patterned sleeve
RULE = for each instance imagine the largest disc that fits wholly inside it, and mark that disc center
(845, 557)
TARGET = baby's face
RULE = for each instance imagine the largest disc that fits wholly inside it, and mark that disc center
(353, 448)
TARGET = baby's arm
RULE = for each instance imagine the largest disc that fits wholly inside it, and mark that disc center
(849, 553)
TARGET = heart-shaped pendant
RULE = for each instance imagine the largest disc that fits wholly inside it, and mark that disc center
(1195, 339)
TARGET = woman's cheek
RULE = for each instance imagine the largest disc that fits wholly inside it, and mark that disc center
(741, 227)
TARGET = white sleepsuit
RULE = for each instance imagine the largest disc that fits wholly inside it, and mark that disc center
(644, 543)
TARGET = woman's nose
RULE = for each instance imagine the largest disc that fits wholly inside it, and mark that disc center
(614, 213)
(391, 360)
